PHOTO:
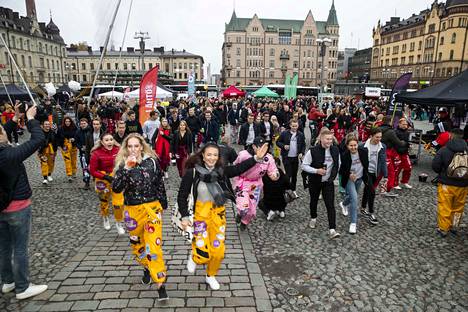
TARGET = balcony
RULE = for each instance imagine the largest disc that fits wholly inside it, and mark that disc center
(284, 56)
(228, 44)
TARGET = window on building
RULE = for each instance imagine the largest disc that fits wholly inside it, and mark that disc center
(238, 63)
(454, 37)
(48, 64)
(451, 55)
(108, 66)
(238, 73)
(403, 60)
(238, 51)
(23, 61)
(83, 66)
(84, 78)
(254, 28)
(411, 47)
(238, 39)
(419, 45)
(430, 42)
(13, 42)
(411, 59)
(116, 66)
(396, 49)
(53, 64)
(30, 61)
(387, 52)
(418, 58)
(185, 76)
(270, 40)
(284, 38)
(91, 66)
(440, 57)
(180, 65)
(295, 64)
(431, 28)
(376, 42)
(133, 66)
(442, 40)
(403, 48)
(271, 74)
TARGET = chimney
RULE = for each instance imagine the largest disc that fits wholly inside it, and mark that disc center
(90, 49)
(31, 9)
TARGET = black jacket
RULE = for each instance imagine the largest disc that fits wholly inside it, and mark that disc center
(133, 126)
(244, 132)
(390, 139)
(141, 184)
(233, 117)
(12, 157)
(190, 179)
(65, 133)
(84, 141)
(444, 157)
(193, 122)
(285, 139)
(284, 117)
(186, 140)
(263, 131)
(318, 158)
(403, 135)
(50, 138)
(345, 167)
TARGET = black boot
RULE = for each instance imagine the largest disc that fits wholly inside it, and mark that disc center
(146, 279)
(162, 293)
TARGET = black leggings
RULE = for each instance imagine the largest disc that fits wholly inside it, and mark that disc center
(368, 196)
(291, 165)
(328, 194)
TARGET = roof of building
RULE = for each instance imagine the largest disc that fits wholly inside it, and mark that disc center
(332, 19)
(136, 52)
(396, 23)
(451, 3)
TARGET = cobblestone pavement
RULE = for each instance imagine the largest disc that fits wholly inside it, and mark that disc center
(398, 265)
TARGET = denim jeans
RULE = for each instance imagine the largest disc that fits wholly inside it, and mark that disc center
(351, 198)
(14, 238)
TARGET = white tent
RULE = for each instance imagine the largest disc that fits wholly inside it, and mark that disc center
(111, 94)
(160, 94)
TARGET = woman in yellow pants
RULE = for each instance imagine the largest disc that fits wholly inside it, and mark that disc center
(100, 167)
(140, 178)
(47, 153)
(66, 137)
(206, 178)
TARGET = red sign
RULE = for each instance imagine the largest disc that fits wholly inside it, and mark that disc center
(148, 87)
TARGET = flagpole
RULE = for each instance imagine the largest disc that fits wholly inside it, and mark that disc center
(18, 70)
(123, 42)
(6, 90)
(104, 51)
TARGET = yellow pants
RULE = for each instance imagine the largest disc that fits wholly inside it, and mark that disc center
(105, 193)
(69, 154)
(144, 225)
(209, 230)
(47, 158)
(451, 202)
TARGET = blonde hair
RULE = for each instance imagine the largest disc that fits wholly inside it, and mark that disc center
(123, 152)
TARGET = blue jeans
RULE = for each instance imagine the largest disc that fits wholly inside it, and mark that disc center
(351, 198)
(14, 238)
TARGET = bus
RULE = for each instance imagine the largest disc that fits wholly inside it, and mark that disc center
(279, 88)
(200, 89)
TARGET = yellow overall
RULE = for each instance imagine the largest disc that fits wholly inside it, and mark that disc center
(451, 202)
(69, 154)
(47, 158)
(105, 193)
(209, 230)
(144, 225)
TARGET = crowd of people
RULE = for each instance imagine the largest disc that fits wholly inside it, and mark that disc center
(352, 142)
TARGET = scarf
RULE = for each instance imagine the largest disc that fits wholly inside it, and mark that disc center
(210, 177)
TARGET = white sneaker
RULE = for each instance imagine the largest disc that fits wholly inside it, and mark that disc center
(105, 221)
(352, 228)
(334, 234)
(398, 188)
(312, 223)
(282, 214)
(191, 265)
(120, 228)
(31, 291)
(211, 280)
(45, 182)
(295, 194)
(406, 186)
(6, 288)
(271, 215)
(49, 178)
(166, 175)
(344, 209)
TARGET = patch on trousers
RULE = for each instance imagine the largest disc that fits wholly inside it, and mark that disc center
(161, 274)
(202, 254)
(134, 239)
(205, 234)
(222, 228)
(149, 255)
(130, 223)
(216, 243)
(158, 241)
(199, 227)
(220, 236)
(149, 228)
(101, 186)
(200, 243)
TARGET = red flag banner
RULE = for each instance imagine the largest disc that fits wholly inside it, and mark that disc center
(148, 87)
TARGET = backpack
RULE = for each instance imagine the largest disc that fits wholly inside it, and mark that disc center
(458, 167)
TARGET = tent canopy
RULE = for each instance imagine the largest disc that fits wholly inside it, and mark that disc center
(449, 92)
(16, 93)
(232, 91)
(111, 94)
(160, 93)
(265, 92)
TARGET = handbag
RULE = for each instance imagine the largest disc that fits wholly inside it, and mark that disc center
(176, 217)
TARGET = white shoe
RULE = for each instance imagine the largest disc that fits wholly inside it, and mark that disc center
(166, 175)
(334, 234)
(49, 178)
(45, 182)
(271, 215)
(295, 194)
(17, 144)
(106, 223)
(6, 288)
(282, 214)
(120, 228)
(191, 265)
(31, 291)
(352, 228)
(312, 223)
(406, 186)
(344, 209)
(211, 280)
(398, 188)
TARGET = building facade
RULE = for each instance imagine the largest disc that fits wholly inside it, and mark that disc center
(359, 65)
(174, 66)
(38, 49)
(264, 51)
(342, 71)
(432, 45)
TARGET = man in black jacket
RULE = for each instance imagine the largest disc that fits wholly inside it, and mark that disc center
(403, 154)
(266, 128)
(84, 143)
(284, 116)
(292, 145)
(248, 132)
(132, 124)
(15, 219)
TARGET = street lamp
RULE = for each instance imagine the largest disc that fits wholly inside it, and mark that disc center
(323, 48)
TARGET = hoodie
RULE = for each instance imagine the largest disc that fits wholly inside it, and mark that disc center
(444, 157)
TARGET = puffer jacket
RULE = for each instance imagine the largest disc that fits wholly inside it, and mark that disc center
(444, 157)
(390, 139)
(141, 184)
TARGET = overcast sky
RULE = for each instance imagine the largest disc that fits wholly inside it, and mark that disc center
(198, 25)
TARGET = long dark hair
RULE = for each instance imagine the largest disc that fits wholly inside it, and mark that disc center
(72, 124)
(197, 158)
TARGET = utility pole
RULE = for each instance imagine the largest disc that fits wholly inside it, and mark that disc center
(142, 36)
